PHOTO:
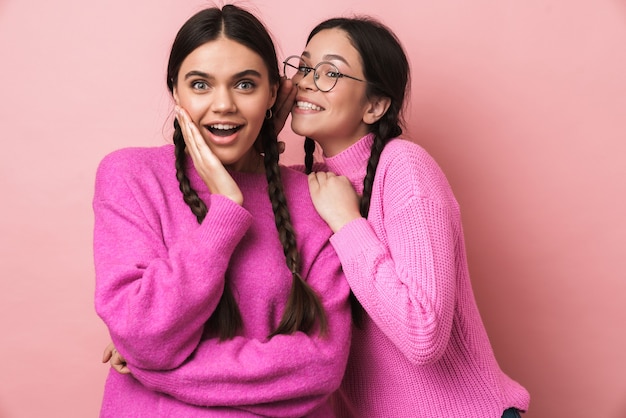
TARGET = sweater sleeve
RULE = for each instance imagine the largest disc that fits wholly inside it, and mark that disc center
(288, 375)
(407, 283)
(155, 298)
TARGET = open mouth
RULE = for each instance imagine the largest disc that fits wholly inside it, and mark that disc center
(223, 130)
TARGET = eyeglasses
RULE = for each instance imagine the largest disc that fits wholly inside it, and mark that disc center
(325, 74)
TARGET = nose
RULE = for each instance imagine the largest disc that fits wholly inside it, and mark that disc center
(223, 101)
(307, 82)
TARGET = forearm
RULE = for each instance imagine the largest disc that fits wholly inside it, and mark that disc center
(150, 295)
(288, 375)
(407, 286)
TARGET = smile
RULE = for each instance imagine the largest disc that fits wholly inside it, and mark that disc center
(220, 129)
(308, 106)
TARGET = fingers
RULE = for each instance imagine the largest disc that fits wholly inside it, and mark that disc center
(120, 367)
(118, 362)
(186, 128)
(314, 184)
(197, 148)
(207, 164)
(284, 102)
(318, 180)
(108, 352)
(115, 359)
(321, 177)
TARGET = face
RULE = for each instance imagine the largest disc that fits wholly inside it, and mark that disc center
(225, 88)
(335, 119)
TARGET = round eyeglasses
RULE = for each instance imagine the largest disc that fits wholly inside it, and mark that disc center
(325, 74)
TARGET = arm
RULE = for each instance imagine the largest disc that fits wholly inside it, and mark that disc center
(407, 286)
(289, 375)
(150, 295)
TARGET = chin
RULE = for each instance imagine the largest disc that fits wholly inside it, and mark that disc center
(302, 129)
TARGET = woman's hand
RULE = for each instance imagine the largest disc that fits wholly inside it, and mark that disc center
(284, 102)
(334, 199)
(210, 168)
(115, 358)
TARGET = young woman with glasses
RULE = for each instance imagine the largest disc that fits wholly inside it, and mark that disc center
(419, 347)
(220, 301)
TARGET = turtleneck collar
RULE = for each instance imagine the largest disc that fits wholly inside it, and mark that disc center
(352, 162)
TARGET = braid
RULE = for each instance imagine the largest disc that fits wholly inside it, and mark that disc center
(303, 306)
(226, 318)
(309, 148)
(383, 132)
(197, 206)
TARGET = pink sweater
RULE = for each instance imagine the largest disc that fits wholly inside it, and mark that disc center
(423, 350)
(160, 274)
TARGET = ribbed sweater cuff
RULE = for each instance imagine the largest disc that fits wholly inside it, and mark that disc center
(354, 238)
(226, 222)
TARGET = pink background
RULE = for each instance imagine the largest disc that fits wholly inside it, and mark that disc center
(523, 103)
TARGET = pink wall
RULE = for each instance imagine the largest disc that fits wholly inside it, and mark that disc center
(522, 102)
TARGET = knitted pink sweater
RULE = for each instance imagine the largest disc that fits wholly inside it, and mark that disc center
(423, 350)
(160, 274)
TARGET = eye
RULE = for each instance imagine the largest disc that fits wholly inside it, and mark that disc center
(304, 69)
(333, 74)
(246, 85)
(199, 85)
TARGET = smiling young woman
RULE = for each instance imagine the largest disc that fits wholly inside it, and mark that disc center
(419, 348)
(213, 306)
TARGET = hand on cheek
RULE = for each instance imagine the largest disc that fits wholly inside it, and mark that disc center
(208, 166)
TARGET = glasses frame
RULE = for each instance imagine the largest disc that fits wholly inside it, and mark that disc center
(316, 75)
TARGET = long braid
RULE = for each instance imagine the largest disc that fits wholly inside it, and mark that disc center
(226, 318)
(383, 132)
(197, 206)
(303, 307)
(309, 148)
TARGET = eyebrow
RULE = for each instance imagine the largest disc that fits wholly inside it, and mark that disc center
(245, 73)
(328, 57)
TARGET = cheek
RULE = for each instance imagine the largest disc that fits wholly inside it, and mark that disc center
(255, 111)
(194, 107)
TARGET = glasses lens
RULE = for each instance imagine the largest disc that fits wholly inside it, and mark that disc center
(326, 76)
(294, 68)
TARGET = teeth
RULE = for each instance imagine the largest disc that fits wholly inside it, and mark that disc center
(223, 127)
(307, 106)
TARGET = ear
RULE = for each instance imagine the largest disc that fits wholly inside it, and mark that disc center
(273, 95)
(175, 94)
(376, 109)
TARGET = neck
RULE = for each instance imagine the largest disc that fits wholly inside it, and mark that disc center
(250, 163)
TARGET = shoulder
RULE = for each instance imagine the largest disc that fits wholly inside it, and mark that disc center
(401, 150)
(294, 179)
(136, 159)
(129, 166)
(406, 164)
(301, 209)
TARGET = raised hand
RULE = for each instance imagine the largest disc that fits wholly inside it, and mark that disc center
(334, 199)
(210, 168)
(284, 102)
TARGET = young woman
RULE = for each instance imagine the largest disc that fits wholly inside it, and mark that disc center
(219, 300)
(420, 348)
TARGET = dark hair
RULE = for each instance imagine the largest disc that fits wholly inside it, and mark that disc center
(386, 71)
(303, 307)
